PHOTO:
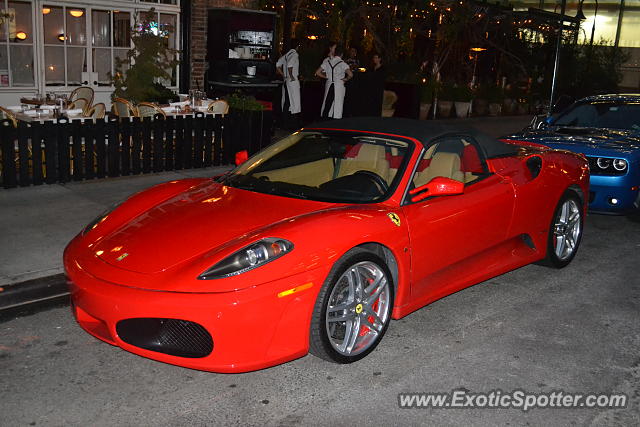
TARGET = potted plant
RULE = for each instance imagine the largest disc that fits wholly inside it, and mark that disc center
(511, 95)
(495, 96)
(462, 100)
(427, 92)
(139, 77)
(445, 99)
(247, 128)
(480, 102)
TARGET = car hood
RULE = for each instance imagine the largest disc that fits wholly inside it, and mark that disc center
(192, 223)
(573, 138)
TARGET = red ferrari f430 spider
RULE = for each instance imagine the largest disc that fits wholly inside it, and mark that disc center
(316, 242)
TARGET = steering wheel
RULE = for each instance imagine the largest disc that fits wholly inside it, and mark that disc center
(379, 181)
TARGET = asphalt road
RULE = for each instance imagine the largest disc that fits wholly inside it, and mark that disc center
(535, 329)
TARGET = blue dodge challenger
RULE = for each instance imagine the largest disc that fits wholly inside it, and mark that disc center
(606, 129)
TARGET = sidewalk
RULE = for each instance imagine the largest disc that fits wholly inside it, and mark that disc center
(37, 222)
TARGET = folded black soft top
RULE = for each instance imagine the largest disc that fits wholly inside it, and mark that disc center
(421, 130)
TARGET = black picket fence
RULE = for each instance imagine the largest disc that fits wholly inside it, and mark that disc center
(62, 151)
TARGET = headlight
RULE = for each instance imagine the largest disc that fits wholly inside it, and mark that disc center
(603, 162)
(619, 164)
(248, 258)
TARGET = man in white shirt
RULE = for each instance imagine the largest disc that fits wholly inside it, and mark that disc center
(337, 72)
(288, 67)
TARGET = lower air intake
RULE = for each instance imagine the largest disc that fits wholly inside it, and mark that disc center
(169, 336)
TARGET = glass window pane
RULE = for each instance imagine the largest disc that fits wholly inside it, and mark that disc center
(4, 66)
(102, 65)
(630, 30)
(53, 25)
(101, 23)
(23, 30)
(606, 24)
(22, 65)
(3, 26)
(54, 66)
(168, 25)
(168, 1)
(76, 64)
(121, 29)
(122, 55)
(76, 26)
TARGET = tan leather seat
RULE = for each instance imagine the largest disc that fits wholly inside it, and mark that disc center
(442, 164)
(369, 158)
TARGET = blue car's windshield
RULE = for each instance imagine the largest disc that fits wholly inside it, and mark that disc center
(609, 114)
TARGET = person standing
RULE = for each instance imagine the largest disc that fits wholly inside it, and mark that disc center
(375, 81)
(288, 67)
(337, 72)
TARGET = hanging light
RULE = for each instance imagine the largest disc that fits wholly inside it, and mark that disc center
(46, 10)
(76, 13)
(21, 35)
(62, 37)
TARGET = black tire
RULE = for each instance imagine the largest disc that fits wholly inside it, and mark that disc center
(570, 200)
(321, 343)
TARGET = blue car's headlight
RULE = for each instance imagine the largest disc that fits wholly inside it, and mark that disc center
(248, 258)
(619, 164)
(607, 165)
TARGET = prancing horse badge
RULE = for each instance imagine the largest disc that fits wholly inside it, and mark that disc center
(394, 218)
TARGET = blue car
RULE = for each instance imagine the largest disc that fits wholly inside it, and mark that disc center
(606, 129)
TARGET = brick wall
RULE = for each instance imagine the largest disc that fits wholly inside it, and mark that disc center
(199, 32)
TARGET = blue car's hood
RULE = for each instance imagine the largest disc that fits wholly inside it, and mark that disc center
(586, 140)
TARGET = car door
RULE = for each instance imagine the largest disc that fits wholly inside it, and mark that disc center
(449, 233)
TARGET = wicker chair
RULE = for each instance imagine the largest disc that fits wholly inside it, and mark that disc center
(8, 115)
(123, 108)
(149, 109)
(218, 107)
(82, 92)
(80, 103)
(97, 111)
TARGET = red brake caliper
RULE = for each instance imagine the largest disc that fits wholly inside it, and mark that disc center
(365, 329)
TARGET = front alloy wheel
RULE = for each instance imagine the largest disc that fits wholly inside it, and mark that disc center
(353, 309)
(565, 231)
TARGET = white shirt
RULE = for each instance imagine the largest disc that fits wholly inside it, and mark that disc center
(335, 69)
(289, 60)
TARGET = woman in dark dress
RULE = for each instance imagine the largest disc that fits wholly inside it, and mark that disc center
(376, 75)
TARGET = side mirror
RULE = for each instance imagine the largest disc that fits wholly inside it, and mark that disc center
(539, 122)
(438, 186)
(241, 157)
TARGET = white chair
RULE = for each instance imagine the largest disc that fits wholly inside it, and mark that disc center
(218, 107)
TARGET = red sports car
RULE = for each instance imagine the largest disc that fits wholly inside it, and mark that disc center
(315, 243)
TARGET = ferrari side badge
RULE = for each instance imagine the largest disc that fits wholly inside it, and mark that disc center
(123, 256)
(394, 218)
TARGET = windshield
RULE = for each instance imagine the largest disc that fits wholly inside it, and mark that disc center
(610, 114)
(325, 166)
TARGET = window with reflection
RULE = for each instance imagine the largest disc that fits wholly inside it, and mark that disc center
(16, 44)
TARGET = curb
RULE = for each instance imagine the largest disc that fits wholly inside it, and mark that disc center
(32, 296)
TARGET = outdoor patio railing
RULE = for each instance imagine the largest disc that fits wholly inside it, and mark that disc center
(62, 151)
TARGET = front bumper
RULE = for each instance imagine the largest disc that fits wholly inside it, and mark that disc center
(613, 194)
(250, 329)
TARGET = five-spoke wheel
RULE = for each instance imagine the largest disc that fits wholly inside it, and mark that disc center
(353, 309)
(566, 231)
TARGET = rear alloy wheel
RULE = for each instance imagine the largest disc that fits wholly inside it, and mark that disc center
(565, 233)
(353, 309)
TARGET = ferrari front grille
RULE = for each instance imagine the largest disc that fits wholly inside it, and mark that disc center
(169, 336)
